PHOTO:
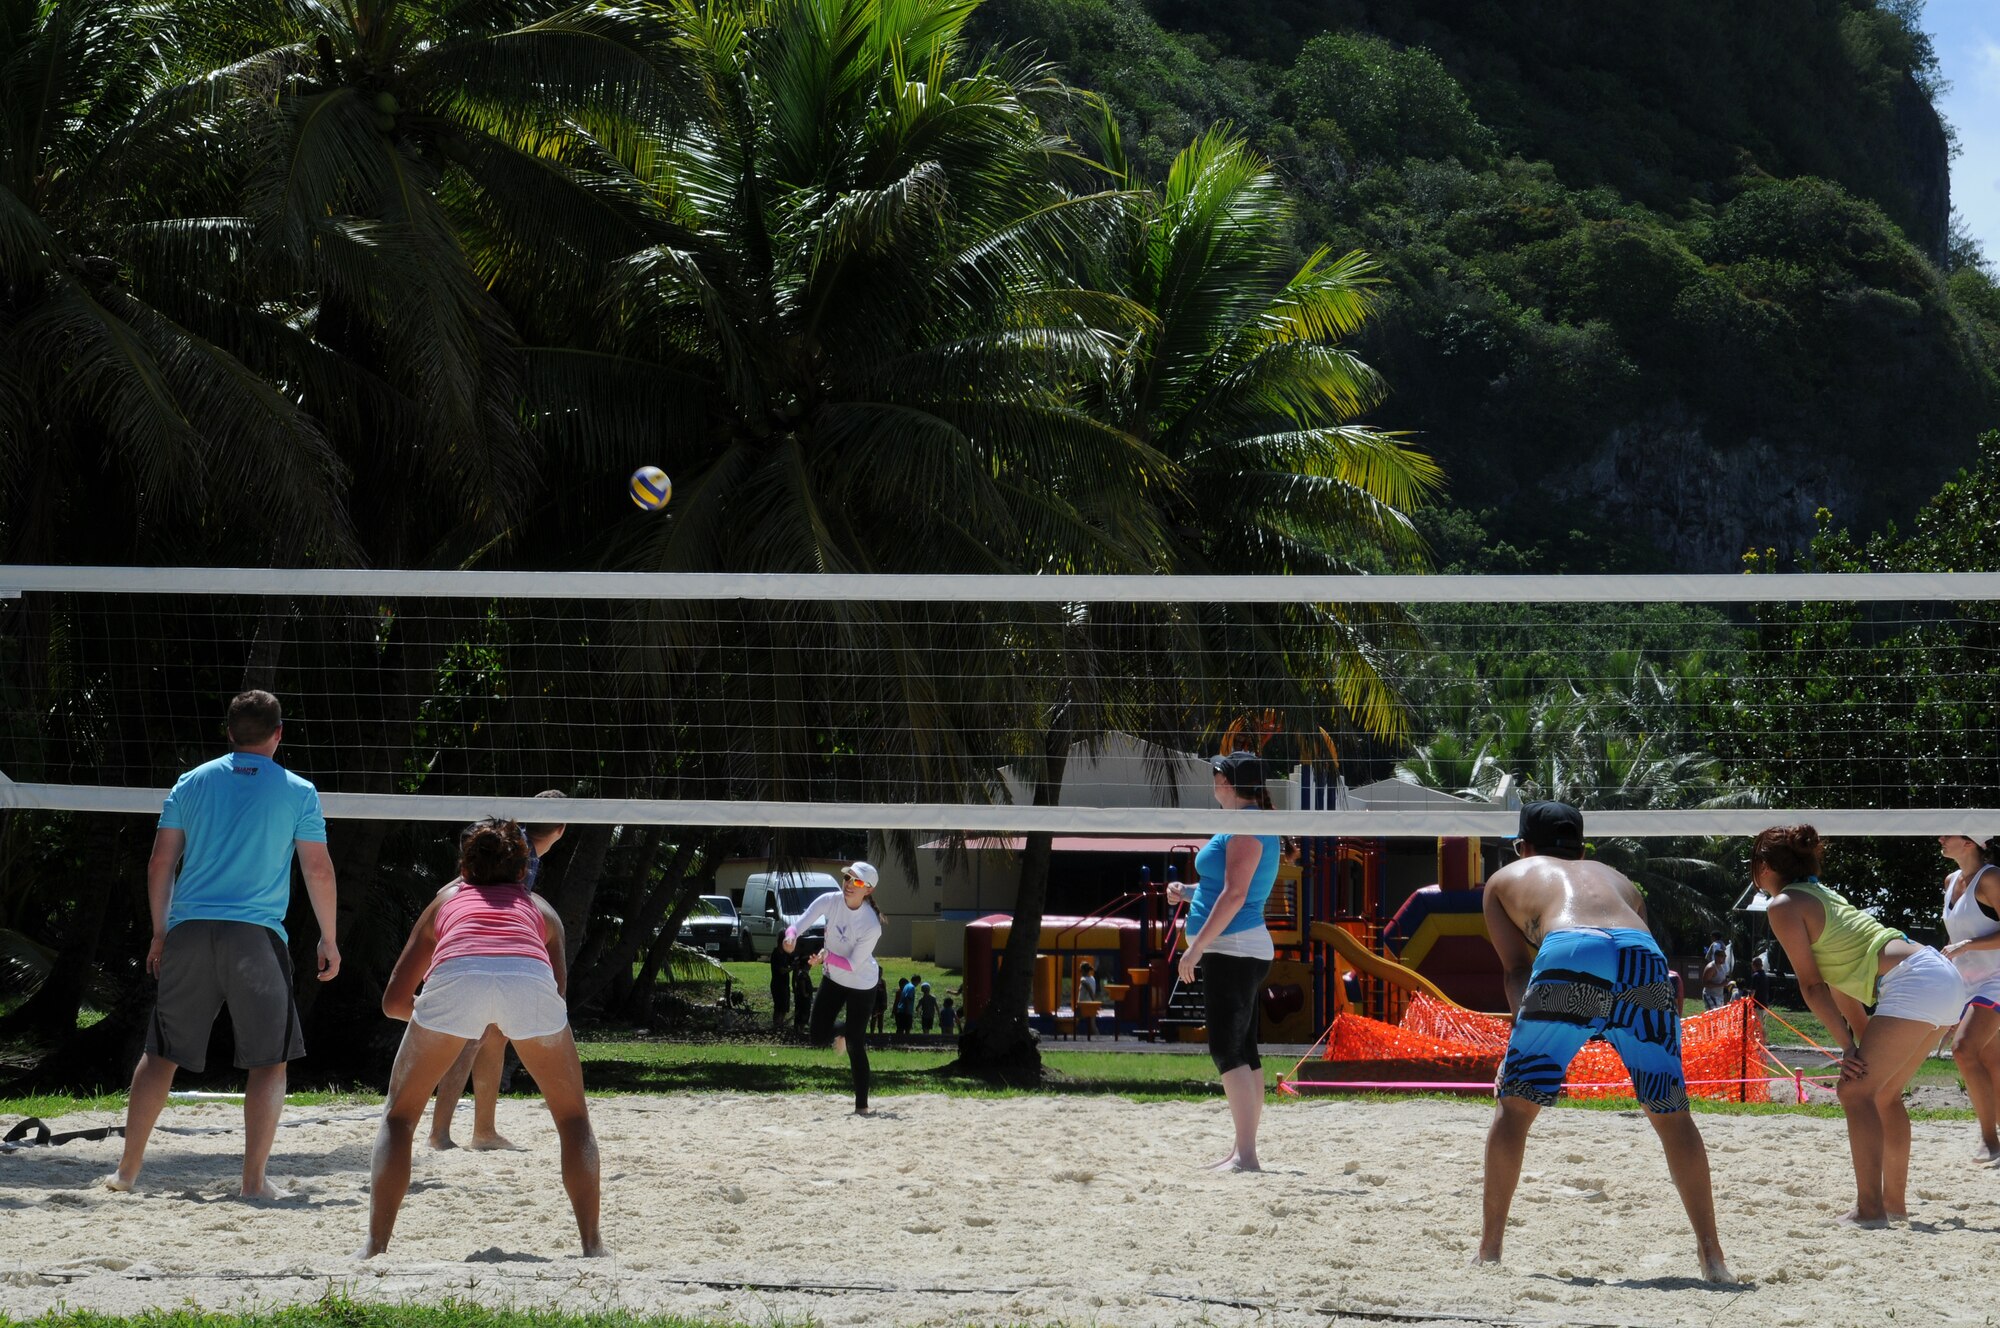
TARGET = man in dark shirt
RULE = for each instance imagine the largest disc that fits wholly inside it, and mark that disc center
(781, 987)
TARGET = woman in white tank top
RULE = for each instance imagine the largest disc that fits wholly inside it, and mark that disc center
(1972, 924)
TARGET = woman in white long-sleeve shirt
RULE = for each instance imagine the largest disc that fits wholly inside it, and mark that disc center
(850, 972)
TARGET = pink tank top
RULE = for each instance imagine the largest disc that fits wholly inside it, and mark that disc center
(488, 921)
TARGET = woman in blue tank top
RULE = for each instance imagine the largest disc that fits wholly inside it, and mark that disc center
(1227, 939)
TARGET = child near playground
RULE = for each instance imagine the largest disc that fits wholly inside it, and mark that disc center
(1579, 961)
(849, 970)
(1846, 960)
(1972, 926)
(1226, 938)
(947, 1017)
(485, 1061)
(488, 952)
(927, 1008)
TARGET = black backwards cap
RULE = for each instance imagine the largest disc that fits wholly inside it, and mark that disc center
(1243, 770)
(1552, 825)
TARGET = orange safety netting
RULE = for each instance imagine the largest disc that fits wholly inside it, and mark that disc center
(1722, 1051)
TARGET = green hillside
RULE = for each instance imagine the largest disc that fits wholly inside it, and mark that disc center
(1668, 277)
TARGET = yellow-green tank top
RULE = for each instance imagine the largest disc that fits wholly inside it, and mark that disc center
(1849, 948)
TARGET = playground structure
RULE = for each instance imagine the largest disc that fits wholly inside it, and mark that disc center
(1412, 998)
(1436, 943)
(1131, 945)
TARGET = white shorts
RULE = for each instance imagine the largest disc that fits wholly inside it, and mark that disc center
(462, 996)
(1925, 987)
(1986, 991)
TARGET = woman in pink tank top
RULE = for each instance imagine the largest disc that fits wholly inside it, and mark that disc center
(488, 952)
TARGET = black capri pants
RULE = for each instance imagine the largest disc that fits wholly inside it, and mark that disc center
(1230, 986)
(858, 1003)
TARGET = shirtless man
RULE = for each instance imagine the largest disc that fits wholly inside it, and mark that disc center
(1579, 960)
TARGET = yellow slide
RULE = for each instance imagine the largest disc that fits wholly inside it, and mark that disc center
(1375, 966)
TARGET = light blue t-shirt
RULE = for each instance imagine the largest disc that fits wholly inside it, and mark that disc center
(240, 814)
(1212, 863)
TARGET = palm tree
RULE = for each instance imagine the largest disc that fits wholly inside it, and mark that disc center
(845, 319)
(848, 330)
(141, 420)
(249, 253)
(1239, 378)
(851, 334)
(129, 406)
(397, 162)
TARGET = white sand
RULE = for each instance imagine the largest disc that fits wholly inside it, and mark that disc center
(1038, 1210)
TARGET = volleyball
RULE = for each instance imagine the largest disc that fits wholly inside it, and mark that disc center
(651, 488)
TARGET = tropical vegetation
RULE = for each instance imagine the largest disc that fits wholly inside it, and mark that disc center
(1044, 286)
(830, 261)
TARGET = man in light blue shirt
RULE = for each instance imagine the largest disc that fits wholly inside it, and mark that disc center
(231, 826)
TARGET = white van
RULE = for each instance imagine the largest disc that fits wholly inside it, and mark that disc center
(773, 901)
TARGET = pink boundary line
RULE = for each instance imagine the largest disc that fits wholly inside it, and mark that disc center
(1295, 1087)
(1486, 1085)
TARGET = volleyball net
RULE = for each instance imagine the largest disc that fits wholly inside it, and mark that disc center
(1672, 705)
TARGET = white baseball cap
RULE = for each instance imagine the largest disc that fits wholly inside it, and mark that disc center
(863, 873)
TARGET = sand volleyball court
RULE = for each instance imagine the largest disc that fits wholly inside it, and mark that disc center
(1085, 1211)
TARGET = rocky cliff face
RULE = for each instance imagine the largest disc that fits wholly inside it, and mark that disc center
(1704, 505)
(1924, 168)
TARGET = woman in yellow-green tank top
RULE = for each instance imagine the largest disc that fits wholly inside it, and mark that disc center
(1847, 960)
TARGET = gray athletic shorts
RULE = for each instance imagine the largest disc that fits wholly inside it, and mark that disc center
(207, 964)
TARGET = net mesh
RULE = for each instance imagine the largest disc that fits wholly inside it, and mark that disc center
(840, 700)
(809, 703)
(1723, 1052)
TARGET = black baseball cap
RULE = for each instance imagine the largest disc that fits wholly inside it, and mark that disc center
(1551, 825)
(1243, 770)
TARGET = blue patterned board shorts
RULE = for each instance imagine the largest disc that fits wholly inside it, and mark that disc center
(1591, 981)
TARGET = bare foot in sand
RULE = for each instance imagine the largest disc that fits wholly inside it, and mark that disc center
(1482, 1257)
(490, 1143)
(268, 1192)
(1986, 1154)
(441, 1142)
(1236, 1162)
(597, 1251)
(1853, 1218)
(1714, 1269)
(369, 1249)
(117, 1182)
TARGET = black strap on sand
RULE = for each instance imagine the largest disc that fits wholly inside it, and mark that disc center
(35, 1133)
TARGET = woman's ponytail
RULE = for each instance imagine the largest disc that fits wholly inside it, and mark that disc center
(1288, 845)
